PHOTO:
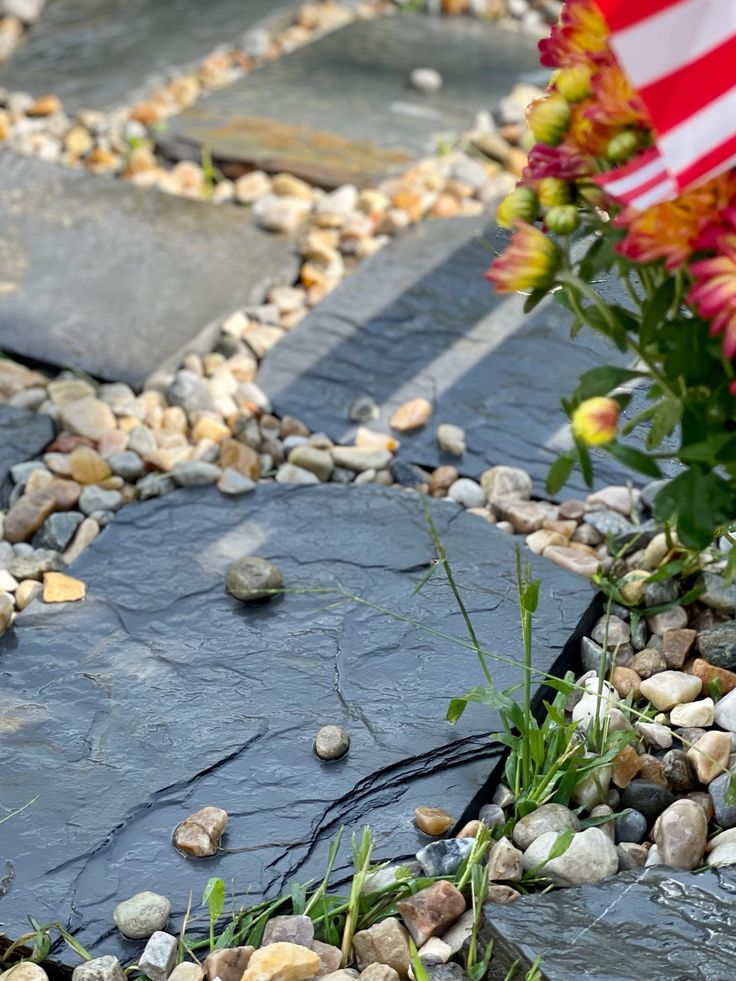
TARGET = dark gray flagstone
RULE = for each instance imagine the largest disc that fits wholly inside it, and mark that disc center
(656, 924)
(97, 54)
(419, 319)
(160, 694)
(23, 435)
(342, 110)
(118, 280)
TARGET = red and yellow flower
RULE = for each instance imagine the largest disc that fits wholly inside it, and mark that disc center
(595, 421)
(529, 262)
(578, 37)
(714, 292)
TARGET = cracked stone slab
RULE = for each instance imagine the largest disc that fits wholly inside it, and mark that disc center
(161, 694)
(117, 280)
(655, 924)
(419, 319)
(98, 54)
(341, 110)
(23, 435)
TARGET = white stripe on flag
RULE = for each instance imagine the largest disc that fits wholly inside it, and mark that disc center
(718, 169)
(665, 191)
(699, 134)
(619, 186)
(665, 42)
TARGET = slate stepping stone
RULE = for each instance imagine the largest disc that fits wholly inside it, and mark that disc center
(419, 320)
(118, 280)
(98, 54)
(161, 694)
(651, 925)
(341, 110)
(23, 435)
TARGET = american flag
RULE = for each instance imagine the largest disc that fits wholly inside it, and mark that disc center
(681, 56)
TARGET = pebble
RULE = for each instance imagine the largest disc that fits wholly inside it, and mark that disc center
(647, 797)
(631, 856)
(159, 956)
(60, 588)
(590, 857)
(411, 415)
(57, 530)
(647, 663)
(502, 483)
(97, 499)
(233, 482)
(716, 644)
(36, 564)
(127, 465)
(289, 929)
(384, 943)
(626, 681)
(433, 820)
(505, 862)
(87, 416)
(677, 771)
(548, 817)
(252, 578)
(288, 473)
(467, 493)
(142, 915)
(717, 593)
(723, 855)
(228, 964)
(318, 462)
(27, 515)
(359, 458)
(283, 214)
(615, 498)
(431, 911)
(626, 765)
(611, 631)
(609, 523)
(187, 971)
(451, 440)
(331, 742)
(363, 409)
(673, 619)
(86, 533)
(630, 825)
(578, 562)
(680, 833)
(24, 971)
(7, 610)
(676, 646)
(26, 592)
(199, 834)
(659, 736)
(492, 815)
(374, 972)
(444, 858)
(428, 81)
(670, 688)
(99, 969)
(700, 713)
(709, 756)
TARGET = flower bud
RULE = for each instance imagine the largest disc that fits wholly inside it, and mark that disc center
(595, 421)
(573, 83)
(549, 119)
(562, 219)
(553, 192)
(622, 147)
(520, 205)
(529, 262)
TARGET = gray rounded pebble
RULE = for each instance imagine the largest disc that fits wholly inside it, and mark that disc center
(363, 409)
(142, 915)
(195, 473)
(252, 578)
(331, 742)
(97, 499)
(630, 825)
(127, 464)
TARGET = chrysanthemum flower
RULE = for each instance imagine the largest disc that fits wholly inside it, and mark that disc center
(671, 230)
(529, 262)
(565, 162)
(614, 101)
(579, 35)
(595, 421)
(714, 292)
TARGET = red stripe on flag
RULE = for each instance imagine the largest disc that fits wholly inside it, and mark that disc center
(673, 99)
(709, 162)
(621, 14)
(644, 158)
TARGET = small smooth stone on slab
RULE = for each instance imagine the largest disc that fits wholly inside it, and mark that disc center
(433, 820)
(159, 957)
(99, 969)
(331, 742)
(411, 415)
(199, 835)
(431, 911)
(384, 943)
(60, 588)
(142, 915)
(252, 578)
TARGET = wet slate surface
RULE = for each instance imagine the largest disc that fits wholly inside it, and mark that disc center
(118, 280)
(419, 319)
(341, 109)
(651, 925)
(160, 694)
(23, 435)
(97, 54)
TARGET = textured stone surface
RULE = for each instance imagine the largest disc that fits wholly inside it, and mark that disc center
(419, 320)
(96, 54)
(651, 925)
(100, 700)
(340, 110)
(23, 435)
(97, 263)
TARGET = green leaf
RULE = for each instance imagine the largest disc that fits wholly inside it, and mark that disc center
(730, 795)
(602, 380)
(534, 299)
(657, 309)
(483, 696)
(666, 416)
(701, 501)
(559, 473)
(635, 459)
(586, 465)
(214, 897)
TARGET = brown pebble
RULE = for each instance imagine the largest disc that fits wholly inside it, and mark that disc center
(651, 769)
(199, 835)
(574, 510)
(626, 766)
(47, 105)
(27, 515)
(442, 480)
(626, 681)
(59, 588)
(469, 830)
(433, 820)
(676, 646)
(228, 964)
(647, 663)
(411, 415)
(709, 672)
(431, 911)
